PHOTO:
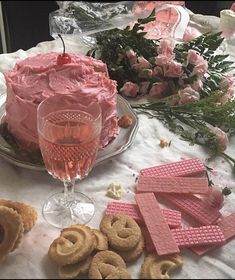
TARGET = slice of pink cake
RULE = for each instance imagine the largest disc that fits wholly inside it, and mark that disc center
(38, 77)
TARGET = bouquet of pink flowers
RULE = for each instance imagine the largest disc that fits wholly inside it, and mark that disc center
(191, 87)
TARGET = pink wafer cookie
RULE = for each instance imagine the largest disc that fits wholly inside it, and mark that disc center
(198, 236)
(184, 168)
(194, 207)
(160, 233)
(172, 184)
(172, 217)
(227, 225)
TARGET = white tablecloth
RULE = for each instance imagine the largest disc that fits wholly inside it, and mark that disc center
(32, 187)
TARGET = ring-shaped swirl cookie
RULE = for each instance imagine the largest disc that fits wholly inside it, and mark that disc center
(122, 231)
(11, 228)
(105, 264)
(74, 244)
(27, 212)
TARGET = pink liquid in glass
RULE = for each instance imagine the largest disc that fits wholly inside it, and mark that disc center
(69, 144)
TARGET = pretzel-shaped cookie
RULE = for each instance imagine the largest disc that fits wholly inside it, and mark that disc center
(133, 254)
(101, 240)
(27, 212)
(74, 244)
(11, 229)
(71, 271)
(108, 265)
(155, 267)
(122, 231)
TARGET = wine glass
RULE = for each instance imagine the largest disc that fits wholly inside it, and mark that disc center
(69, 129)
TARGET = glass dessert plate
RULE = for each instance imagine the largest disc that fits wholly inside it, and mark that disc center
(124, 139)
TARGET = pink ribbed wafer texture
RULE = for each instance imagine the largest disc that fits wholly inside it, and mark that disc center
(172, 185)
(161, 236)
(183, 168)
(172, 217)
(194, 207)
(227, 225)
(192, 237)
(198, 236)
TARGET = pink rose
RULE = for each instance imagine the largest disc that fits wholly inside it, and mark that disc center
(145, 73)
(197, 85)
(226, 97)
(192, 57)
(190, 33)
(166, 47)
(162, 59)
(157, 71)
(173, 69)
(228, 81)
(129, 89)
(143, 87)
(188, 95)
(200, 69)
(142, 63)
(131, 56)
(221, 137)
(158, 89)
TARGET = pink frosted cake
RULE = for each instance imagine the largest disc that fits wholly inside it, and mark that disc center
(38, 77)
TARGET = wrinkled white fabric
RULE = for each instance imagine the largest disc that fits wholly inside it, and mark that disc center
(33, 187)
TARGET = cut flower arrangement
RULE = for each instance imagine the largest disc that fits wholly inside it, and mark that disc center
(191, 87)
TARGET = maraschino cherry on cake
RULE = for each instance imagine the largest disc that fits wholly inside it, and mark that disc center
(35, 78)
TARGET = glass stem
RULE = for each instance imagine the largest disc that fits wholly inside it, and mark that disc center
(69, 190)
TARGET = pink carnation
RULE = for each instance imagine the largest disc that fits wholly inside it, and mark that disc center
(197, 85)
(158, 89)
(143, 87)
(192, 57)
(166, 47)
(162, 60)
(129, 89)
(190, 33)
(221, 137)
(188, 95)
(131, 56)
(141, 64)
(173, 69)
(200, 69)
(228, 81)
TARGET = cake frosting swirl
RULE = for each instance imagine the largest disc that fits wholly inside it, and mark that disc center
(35, 78)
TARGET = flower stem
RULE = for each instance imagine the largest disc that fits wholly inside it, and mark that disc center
(228, 157)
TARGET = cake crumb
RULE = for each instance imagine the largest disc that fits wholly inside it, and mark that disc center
(163, 143)
(125, 121)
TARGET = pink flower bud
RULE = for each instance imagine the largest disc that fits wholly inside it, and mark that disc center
(143, 87)
(173, 69)
(131, 56)
(188, 95)
(214, 198)
(158, 89)
(129, 89)
(221, 137)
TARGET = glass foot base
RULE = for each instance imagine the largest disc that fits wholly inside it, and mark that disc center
(60, 213)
